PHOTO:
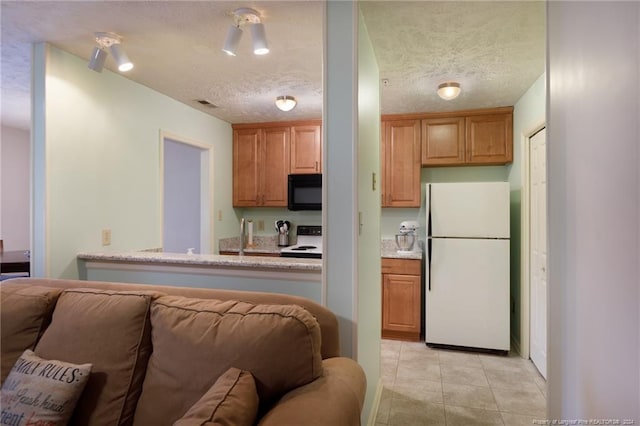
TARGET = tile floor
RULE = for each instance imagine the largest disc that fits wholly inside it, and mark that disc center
(424, 386)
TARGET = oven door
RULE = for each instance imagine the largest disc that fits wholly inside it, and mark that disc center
(301, 254)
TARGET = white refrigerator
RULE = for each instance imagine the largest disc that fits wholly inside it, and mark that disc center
(467, 265)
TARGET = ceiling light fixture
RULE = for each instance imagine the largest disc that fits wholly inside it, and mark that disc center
(111, 42)
(231, 42)
(286, 103)
(449, 90)
(241, 17)
(96, 61)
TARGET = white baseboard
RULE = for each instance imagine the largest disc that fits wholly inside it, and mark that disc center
(375, 405)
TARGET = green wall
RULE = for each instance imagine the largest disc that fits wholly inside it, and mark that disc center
(369, 271)
(97, 156)
(528, 116)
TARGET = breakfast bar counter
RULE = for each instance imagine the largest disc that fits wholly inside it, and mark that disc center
(300, 277)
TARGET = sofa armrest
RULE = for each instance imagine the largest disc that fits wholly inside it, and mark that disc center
(334, 399)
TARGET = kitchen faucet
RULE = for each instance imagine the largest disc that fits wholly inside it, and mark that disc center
(242, 237)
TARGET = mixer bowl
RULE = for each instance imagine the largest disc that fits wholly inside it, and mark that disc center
(405, 242)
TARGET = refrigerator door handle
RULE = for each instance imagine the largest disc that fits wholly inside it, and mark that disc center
(429, 235)
(429, 261)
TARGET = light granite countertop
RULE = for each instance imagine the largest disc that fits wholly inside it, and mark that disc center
(206, 260)
(261, 245)
(389, 250)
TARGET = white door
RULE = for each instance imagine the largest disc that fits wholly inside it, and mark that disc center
(469, 210)
(538, 252)
(467, 293)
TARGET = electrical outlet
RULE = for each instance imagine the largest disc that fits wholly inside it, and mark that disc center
(106, 237)
(261, 225)
(219, 215)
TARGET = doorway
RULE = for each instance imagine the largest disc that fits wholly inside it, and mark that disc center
(187, 223)
(538, 250)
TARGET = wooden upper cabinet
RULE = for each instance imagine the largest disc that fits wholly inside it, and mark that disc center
(275, 167)
(306, 149)
(489, 139)
(260, 167)
(400, 161)
(443, 141)
(246, 161)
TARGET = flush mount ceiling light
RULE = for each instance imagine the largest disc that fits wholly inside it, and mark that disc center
(241, 17)
(286, 103)
(111, 42)
(449, 90)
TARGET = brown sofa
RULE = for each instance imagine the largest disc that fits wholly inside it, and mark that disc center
(156, 350)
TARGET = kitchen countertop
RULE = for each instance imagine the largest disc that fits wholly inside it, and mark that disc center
(389, 250)
(206, 260)
(268, 245)
(261, 245)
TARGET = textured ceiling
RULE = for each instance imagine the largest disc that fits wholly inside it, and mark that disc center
(495, 50)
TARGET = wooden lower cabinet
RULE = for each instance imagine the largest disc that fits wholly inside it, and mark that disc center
(401, 299)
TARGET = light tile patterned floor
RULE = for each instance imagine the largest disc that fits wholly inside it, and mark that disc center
(424, 386)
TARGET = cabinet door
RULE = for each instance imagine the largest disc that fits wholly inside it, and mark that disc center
(246, 162)
(401, 163)
(401, 306)
(274, 165)
(306, 149)
(443, 141)
(489, 139)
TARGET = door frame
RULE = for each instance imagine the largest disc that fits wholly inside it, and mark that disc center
(525, 241)
(206, 191)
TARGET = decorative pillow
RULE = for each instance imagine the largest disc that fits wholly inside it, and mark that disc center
(232, 400)
(40, 391)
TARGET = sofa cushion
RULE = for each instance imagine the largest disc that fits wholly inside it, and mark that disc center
(25, 313)
(111, 330)
(232, 400)
(195, 341)
(42, 392)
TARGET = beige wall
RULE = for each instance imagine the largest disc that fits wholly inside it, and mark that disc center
(15, 150)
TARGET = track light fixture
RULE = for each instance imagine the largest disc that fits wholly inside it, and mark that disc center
(241, 17)
(110, 42)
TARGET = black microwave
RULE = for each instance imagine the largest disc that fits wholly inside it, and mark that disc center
(305, 192)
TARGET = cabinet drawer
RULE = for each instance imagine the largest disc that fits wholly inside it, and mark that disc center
(401, 266)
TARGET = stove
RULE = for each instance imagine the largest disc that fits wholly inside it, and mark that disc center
(309, 243)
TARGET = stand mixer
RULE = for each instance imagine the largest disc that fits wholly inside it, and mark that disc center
(406, 239)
